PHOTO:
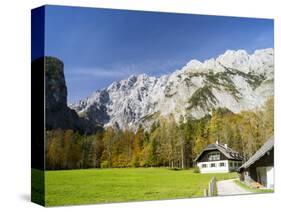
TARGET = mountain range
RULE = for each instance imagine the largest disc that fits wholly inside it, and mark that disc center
(234, 80)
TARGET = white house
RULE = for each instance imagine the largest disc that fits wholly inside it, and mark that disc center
(218, 158)
(260, 167)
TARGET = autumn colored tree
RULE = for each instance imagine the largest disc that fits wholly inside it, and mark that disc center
(167, 142)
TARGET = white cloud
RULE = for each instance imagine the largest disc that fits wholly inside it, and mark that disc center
(122, 70)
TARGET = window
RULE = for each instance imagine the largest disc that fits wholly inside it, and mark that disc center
(204, 165)
(214, 156)
(230, 164)
(222, 164)
(213, 165)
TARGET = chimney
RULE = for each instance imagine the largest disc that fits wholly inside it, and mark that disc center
(225, 146)
(217, 142)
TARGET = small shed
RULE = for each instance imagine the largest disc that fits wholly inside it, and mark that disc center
(260, 167)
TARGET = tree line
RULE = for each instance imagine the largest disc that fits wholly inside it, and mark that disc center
(166, 144)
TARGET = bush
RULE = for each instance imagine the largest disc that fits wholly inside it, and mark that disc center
(104, 164)
(175, 169)
(196, 170)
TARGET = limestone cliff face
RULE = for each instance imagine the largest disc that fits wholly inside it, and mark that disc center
(234, 80)
(58, 114)
(56, 91)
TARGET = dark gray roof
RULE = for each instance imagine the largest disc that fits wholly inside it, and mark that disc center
(261, 152)
(228, 152)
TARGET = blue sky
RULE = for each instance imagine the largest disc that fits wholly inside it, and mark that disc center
(99, 46)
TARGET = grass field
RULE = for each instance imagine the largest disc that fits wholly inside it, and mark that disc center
(128, 184)
(252, 189)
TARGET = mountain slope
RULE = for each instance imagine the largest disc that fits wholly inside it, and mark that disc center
(235, 80)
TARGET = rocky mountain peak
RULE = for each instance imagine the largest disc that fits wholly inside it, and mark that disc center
(56, 91)
(234, 80)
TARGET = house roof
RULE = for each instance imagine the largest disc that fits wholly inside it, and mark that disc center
(227, 151)
(261, 152)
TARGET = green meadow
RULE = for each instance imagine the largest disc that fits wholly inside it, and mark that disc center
(90, 186)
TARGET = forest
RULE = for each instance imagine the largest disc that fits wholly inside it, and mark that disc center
(165, 144)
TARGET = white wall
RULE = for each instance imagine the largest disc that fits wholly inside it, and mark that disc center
(270, 177)
(217, 169)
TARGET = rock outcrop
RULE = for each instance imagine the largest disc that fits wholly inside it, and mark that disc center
(58, 114)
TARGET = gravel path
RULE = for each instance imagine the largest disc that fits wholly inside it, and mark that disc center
(228, 187)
